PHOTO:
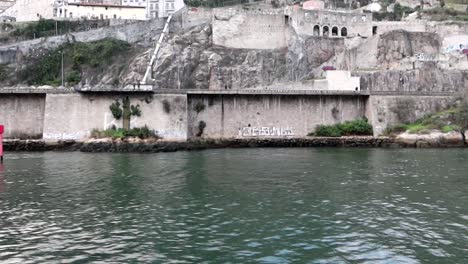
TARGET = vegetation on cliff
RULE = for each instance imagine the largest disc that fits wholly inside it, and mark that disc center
(453, 119)
(358, 127)
(46, 28)
(78, 58)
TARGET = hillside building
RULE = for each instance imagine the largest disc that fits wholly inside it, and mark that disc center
(33, 10)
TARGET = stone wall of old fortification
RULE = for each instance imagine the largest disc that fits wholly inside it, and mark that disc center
(74, 116)
(243, 116)
(250, 31)
(318, 22)
(22, 115)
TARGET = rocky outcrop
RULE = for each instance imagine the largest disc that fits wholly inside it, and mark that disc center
(151, 146)
(433, 139)
(397, 45)
(191, 61)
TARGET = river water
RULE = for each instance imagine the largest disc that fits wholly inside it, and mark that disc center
(300, 205)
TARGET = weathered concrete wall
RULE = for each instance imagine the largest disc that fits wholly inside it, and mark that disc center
(74, 116)
(233, 116)
(387, 111)
(251, 31)
(22, 115)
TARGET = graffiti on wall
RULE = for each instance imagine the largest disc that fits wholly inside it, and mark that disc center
(425, 57)
(456, 48)
(265, 132)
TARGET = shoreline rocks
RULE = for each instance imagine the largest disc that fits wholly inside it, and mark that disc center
(433, 139)
(155, 146)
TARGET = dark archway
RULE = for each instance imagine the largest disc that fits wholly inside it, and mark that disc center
(334, 31)
(326, 31)
(316, 30)
(344, 32)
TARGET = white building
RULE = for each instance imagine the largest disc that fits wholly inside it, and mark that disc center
(163, 8)
(74, 9)
(33, 10)
(133, 3)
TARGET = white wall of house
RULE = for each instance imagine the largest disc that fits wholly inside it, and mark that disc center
(77, 11)
(31, 10)
(133, 3)
(342, 80)
(163, 8)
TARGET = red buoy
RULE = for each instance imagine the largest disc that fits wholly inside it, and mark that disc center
(1, 142)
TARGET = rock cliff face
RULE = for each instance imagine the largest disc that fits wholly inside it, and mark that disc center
(191, 61)
(397, 45)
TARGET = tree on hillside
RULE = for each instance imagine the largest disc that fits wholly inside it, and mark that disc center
(461, 119)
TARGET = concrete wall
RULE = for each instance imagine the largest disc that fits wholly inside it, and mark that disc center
(22, 115)
(387, 111)
(253, 31)
(342, 80)
(74, 116)
(239, 116)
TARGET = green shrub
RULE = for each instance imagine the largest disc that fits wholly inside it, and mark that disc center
(392, 130)
(116, 110)
(415, 128)
(358, 127)
(201, 128)
(73, 77)
(327, 131)
(199, 106)
(140, 132)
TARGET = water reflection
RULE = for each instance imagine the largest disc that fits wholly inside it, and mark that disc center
(239, 205)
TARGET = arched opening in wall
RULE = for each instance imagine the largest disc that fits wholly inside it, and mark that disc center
(325, 31)
(316, 30)
(344, 32)
(286, 20)
(374, 30)
(334, 31)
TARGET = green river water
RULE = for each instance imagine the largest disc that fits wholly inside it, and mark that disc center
(298, 205)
